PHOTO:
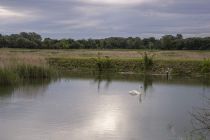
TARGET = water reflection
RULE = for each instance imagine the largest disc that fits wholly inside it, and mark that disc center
(99, 78)
(6, 92)
(107, 78)
(147, 83)
(99, 107)
(28, 89)
(201, 119)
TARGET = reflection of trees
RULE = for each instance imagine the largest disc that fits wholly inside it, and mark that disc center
(147, 82)
(99, 79)
(201, 120)
(6, 91)
(103, 77)
(27, 89)
(108, 77)
(205, 81)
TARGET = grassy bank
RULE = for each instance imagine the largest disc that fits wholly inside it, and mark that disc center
(38, 55)
(23, 65)
(129, 61)
(179, 67)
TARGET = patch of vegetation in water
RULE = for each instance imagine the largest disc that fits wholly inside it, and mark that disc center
(33, 72)
(15, 74)
(8, 77)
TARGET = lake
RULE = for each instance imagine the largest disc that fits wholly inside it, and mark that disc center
(88, 107)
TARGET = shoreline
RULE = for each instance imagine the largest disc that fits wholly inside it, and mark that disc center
(132, 66)
(128, 61)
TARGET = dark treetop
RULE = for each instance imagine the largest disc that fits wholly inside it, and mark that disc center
(167, 42)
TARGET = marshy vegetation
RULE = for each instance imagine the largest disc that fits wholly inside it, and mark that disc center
(15, 74)
(17, 68)
(21, 64)
(145, 64)
(205, 66)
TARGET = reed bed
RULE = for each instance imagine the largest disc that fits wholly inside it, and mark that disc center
(16, 64)
(17, 67)
(19, 73)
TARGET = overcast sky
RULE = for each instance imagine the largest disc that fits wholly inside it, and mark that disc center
(105, 18)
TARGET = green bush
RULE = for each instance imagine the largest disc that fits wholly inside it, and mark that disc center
(205, 66)
(103, 64)
(147, 61)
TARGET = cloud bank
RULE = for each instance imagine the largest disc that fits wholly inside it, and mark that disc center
(105, 18)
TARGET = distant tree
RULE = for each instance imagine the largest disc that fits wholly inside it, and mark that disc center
(179, 36)
(1, 41)
(168, 42)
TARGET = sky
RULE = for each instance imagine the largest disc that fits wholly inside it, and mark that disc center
(105, 18)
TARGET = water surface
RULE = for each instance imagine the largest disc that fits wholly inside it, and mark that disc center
(100, 108)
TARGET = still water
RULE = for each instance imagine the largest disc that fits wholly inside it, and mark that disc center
(81, 107)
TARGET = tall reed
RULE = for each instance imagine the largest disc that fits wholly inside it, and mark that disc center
(8, 77)
(147, 61)
(15, 74)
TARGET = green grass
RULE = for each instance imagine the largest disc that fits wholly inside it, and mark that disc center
(16, 74)
(112, 54)
(132, 61)
(141, 65)
(8, 77)
(33, 72)
(205, 66)
(95, 64)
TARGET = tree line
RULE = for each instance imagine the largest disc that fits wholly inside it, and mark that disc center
(168, 42)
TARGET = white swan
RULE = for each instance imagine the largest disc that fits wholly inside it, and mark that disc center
(135, 92)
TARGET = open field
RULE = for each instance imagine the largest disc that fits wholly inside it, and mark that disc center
(180, 62)
(37, 54)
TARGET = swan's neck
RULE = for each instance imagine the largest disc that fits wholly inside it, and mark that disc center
(139, 89)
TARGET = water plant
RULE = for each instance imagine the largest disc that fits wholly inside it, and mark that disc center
(33, 71)
(205, 66)
(147, 61)
(8, 77)
(20, 72)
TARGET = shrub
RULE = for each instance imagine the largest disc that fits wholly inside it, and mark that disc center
(147, 61)
(205, 66)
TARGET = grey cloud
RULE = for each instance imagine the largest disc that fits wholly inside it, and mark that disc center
(83, 19)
